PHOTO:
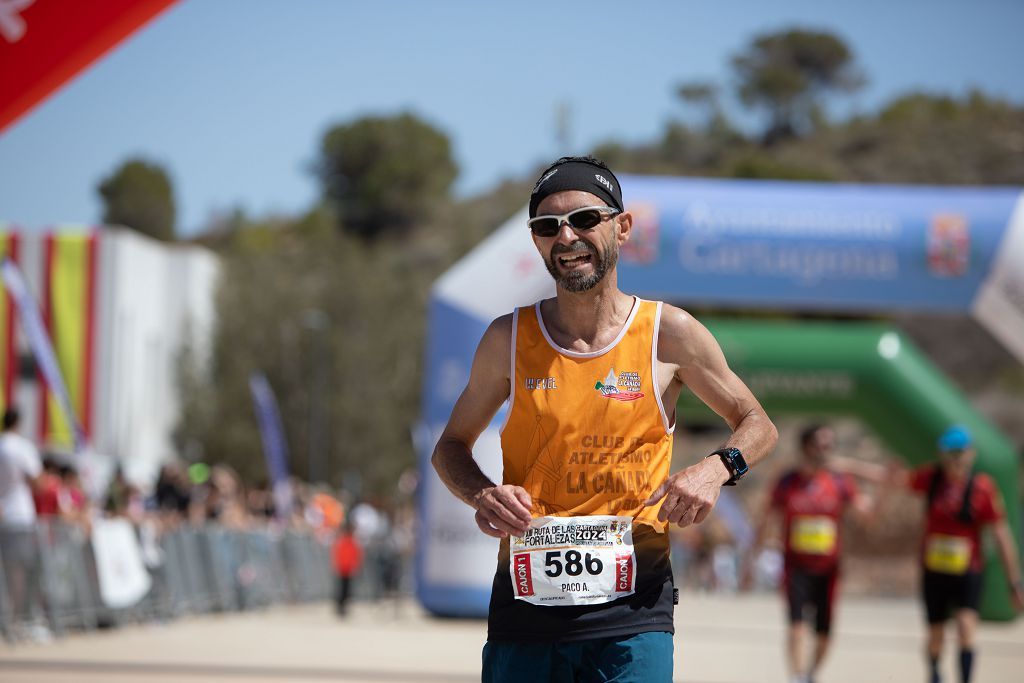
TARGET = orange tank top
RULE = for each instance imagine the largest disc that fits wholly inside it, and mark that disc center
(586, 433)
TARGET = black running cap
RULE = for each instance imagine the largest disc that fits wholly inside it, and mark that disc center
(577, 175)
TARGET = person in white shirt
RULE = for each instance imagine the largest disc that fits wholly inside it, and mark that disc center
(20, 469)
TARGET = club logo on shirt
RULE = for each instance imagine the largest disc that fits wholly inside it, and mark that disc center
(622, 387)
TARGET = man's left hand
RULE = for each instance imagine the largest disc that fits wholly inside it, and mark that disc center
(690, 494)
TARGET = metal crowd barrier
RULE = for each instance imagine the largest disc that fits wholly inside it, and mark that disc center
(190, 571)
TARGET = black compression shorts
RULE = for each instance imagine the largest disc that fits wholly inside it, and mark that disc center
(944, 592)
(804, 589)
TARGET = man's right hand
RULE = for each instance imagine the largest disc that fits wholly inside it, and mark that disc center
(503, 510)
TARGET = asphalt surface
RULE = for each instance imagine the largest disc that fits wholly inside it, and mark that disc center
(719, 639)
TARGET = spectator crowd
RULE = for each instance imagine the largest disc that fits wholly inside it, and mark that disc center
(192, 514)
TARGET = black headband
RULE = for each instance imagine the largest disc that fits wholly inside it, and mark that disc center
(577, 175)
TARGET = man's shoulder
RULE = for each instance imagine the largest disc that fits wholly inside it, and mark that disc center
(21, 442)
(681, 337)
(17, 447)
(676, 325)
(496, 342)
(9, 441)
(983, 482)
(788, 478)
(501, 326)
(844, 482)
(675, 320)
(921, 476)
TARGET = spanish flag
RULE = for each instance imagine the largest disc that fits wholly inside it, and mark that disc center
(69, 307)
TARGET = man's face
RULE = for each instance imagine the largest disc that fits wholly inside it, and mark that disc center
(578, 260)
(957, 463)
(820, 445)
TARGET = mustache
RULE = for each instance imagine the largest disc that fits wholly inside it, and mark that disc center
(574, 247)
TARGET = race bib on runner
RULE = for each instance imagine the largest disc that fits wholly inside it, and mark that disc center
(947, 554)
(813, 535)
(564, 561)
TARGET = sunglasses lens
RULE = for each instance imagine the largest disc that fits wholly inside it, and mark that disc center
(581, 219)
(544, 227)
(584, 220)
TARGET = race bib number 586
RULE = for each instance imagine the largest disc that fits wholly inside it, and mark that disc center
(574, 560)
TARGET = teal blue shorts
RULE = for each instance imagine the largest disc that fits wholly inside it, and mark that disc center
(642, 658)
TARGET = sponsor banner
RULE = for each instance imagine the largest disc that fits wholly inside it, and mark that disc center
(39, 342)
(70, 311)
(813, 246)
(44, 43)
(275, 447)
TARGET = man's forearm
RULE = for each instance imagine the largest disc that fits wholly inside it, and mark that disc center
(755, 436)
(868, 471)
(454, 463)
(1008, 552)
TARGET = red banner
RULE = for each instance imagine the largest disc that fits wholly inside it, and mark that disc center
(44, 43)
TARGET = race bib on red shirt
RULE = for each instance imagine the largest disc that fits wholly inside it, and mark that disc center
(947, 554)
(813, 534)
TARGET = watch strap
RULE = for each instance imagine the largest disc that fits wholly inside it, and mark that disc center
(733, 460)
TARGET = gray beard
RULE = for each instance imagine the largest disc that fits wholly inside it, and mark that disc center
(577, 282)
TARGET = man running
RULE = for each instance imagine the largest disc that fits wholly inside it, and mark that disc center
(583, 588)
(960, 503)
(810, 499)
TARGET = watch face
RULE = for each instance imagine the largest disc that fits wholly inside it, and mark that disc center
(741, 464)
(735, 462)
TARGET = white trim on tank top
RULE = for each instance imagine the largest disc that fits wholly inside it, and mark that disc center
(511, 373)
(669, 428)
(588, 354)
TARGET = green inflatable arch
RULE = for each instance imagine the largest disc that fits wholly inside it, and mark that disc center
(876, 374)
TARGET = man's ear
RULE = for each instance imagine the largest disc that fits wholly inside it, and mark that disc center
(623, 226)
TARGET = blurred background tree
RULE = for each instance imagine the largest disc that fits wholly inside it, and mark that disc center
(139, 195)
(383, 175)
(789, 73)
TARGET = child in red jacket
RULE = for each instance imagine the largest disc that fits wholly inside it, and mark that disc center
(348, 560)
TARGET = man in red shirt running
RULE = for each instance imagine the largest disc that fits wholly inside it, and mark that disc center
(960, 503)
(811, 499)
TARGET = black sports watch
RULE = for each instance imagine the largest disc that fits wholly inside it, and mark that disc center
(734, 462)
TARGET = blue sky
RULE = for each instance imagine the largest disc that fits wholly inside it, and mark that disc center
(232, 97)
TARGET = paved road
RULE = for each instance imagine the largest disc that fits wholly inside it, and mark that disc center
(876, 642)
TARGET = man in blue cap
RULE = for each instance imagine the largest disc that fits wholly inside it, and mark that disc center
(960, 503)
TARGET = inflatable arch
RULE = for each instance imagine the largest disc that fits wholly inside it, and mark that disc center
(756, 244)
